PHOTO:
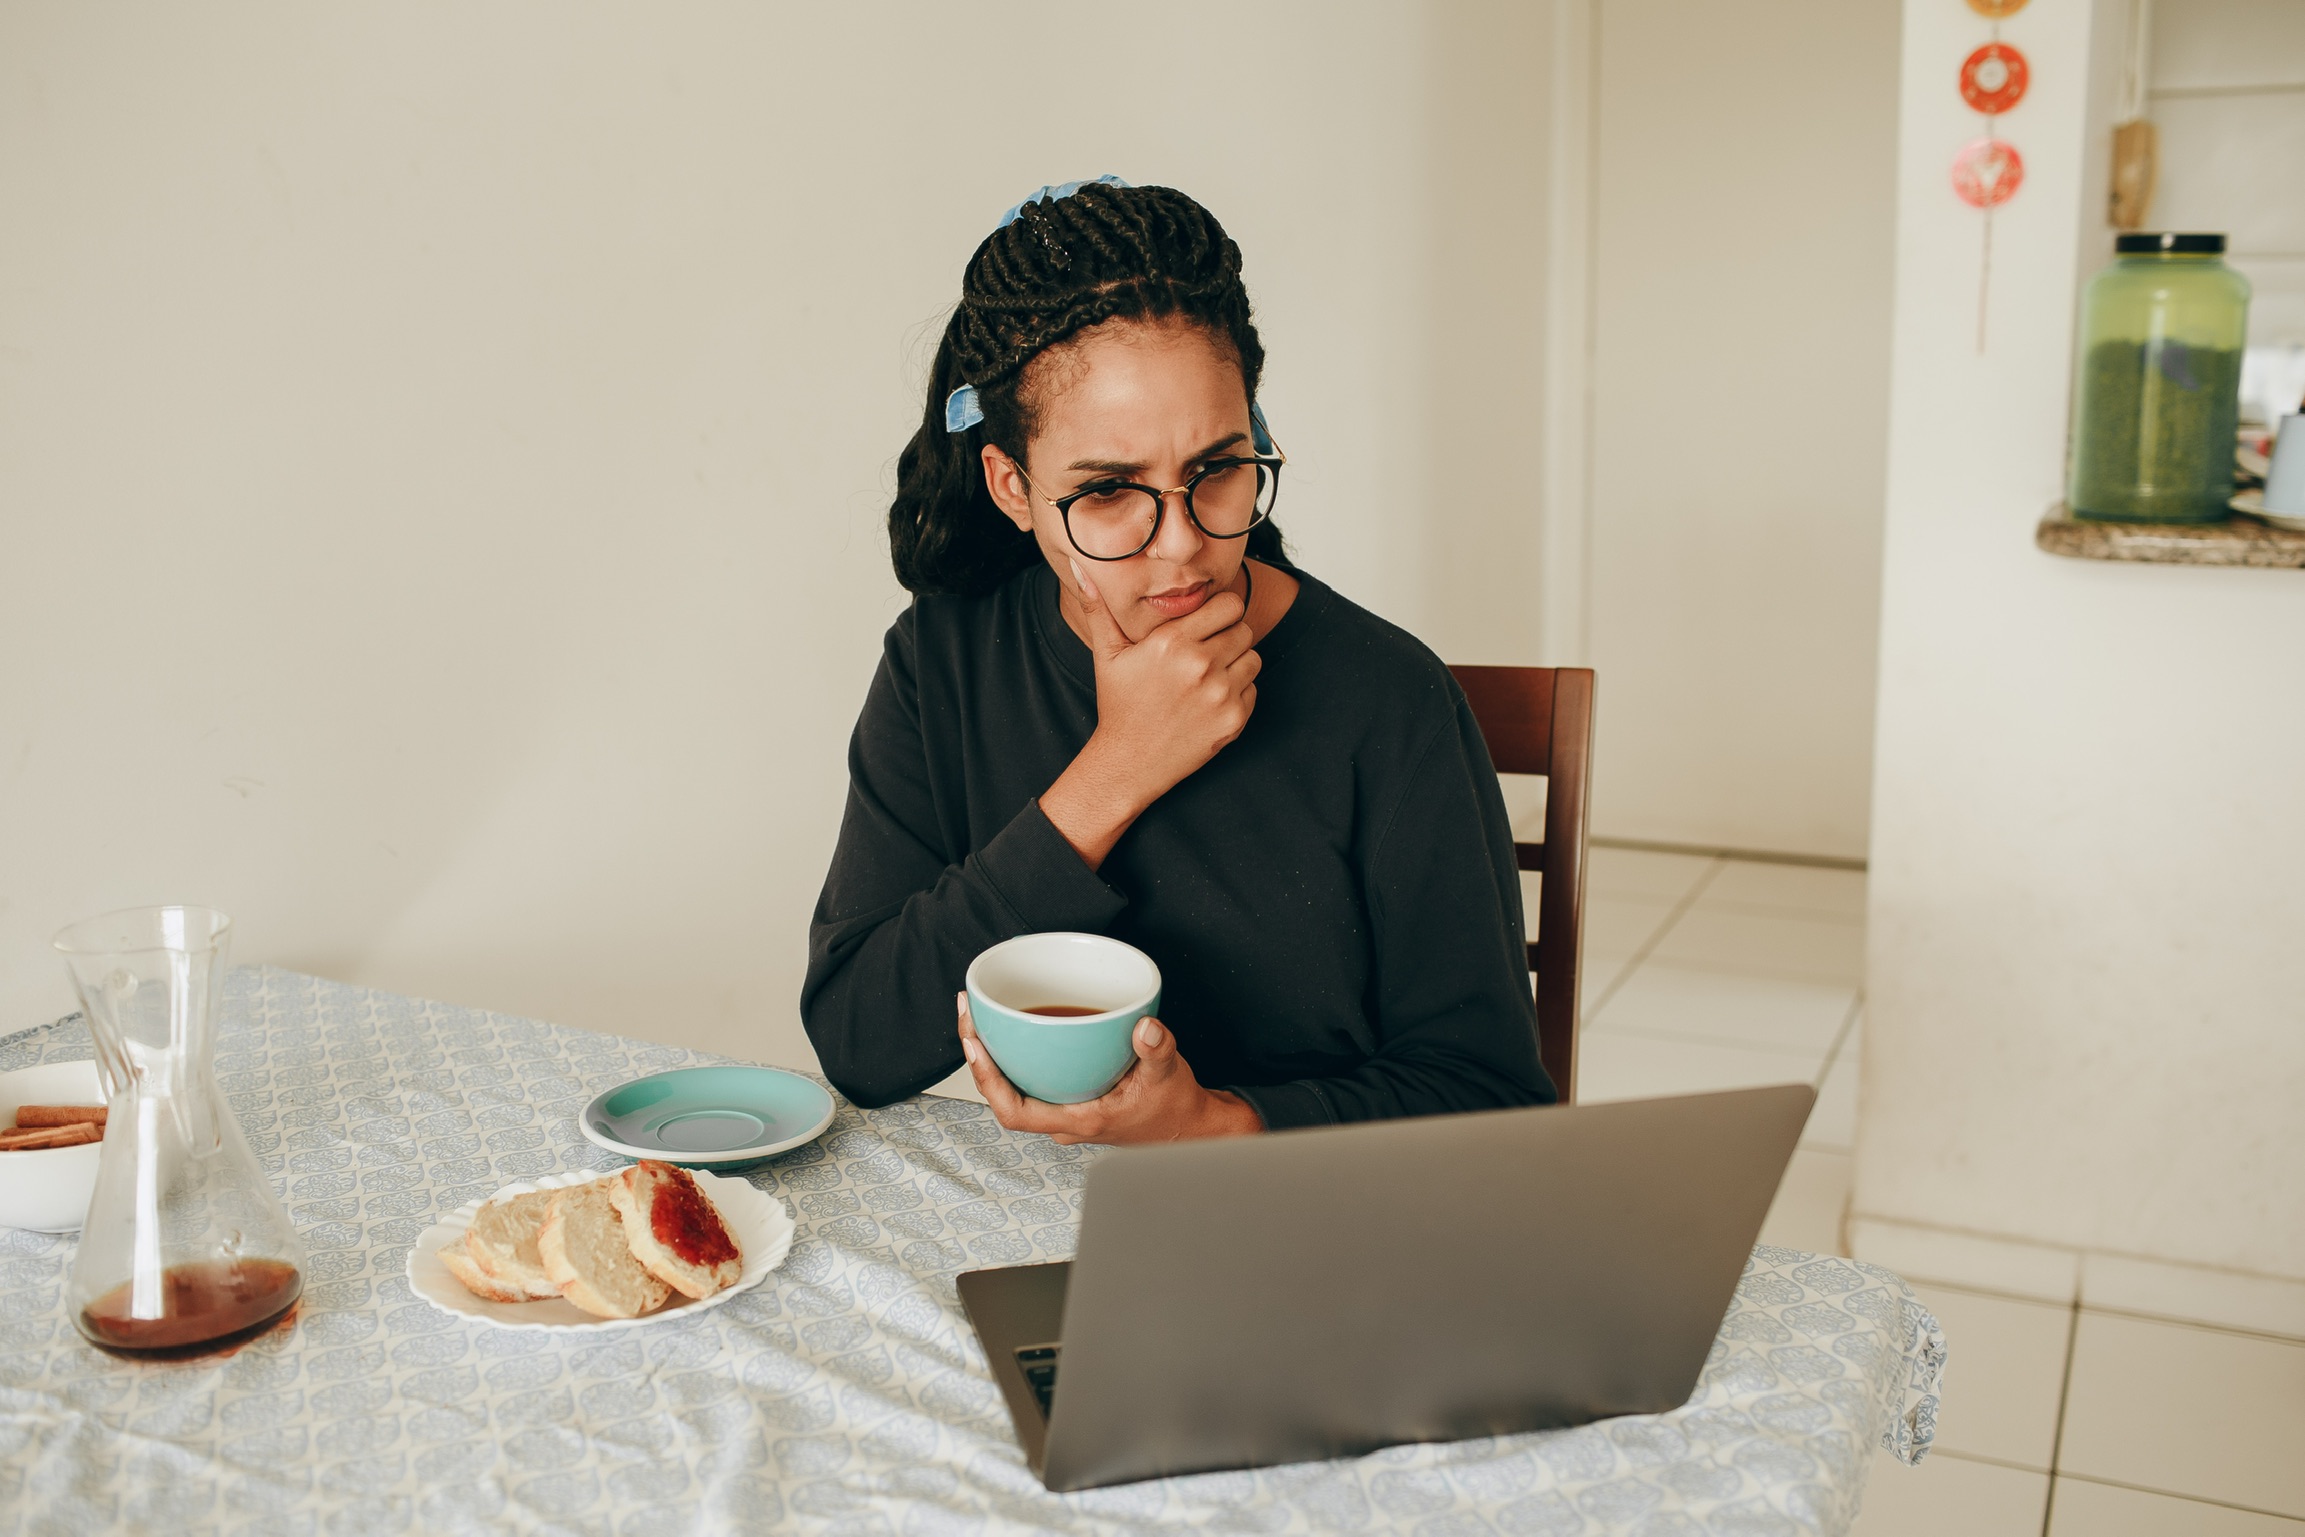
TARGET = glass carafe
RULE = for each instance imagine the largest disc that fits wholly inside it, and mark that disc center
(185, 1247)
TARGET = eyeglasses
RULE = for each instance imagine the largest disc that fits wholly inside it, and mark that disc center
(1114, 519)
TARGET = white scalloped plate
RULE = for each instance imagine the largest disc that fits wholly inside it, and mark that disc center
(762, 1227)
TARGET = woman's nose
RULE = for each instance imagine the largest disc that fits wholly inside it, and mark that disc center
(1177, 540)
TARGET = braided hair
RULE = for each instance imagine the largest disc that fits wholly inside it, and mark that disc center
(1060, 267)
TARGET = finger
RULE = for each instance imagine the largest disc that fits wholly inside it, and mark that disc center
(1231, 643)
(1240, 682)
(1156, 1047)
(1049, 1120)
(1243, 667)
(1217, 615)
(1093, 1120)
(1009, 1107)
(1105, 634)
(990, 1080)
(1156, 1067)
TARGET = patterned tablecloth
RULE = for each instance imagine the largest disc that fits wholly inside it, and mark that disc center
(847, 1393)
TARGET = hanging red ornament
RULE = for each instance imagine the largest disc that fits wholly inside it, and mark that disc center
(1993, 79)
(1988, 172)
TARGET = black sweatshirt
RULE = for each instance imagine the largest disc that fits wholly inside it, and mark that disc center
(1332, 900)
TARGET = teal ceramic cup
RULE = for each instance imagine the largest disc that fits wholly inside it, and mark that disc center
(1099, 987)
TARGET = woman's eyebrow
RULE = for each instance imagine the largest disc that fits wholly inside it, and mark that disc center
(1127, 467)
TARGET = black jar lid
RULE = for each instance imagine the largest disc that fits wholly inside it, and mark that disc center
(2154, 245)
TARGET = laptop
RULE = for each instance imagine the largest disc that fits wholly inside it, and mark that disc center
(1321, 1293)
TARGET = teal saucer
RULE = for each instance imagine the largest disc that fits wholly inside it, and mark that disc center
(708, 1117)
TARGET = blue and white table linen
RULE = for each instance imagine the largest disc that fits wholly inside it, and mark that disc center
(845, 1394)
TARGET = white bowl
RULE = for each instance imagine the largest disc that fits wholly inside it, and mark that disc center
(46, 1189)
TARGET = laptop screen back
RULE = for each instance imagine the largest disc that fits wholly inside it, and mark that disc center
(1317, 1294)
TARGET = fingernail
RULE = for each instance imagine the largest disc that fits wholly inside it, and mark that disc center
(1150, 1033)
(971, 1050)
(960, 1004)
(1078, 574)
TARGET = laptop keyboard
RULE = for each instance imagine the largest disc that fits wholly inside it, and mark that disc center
(1038, 1363)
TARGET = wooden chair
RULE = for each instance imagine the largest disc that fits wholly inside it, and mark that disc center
(1539, 720)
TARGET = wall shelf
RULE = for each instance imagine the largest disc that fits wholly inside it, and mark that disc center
(2241, 541)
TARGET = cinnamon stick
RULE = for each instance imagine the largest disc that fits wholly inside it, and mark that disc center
(29, 1116)
(50, 1136)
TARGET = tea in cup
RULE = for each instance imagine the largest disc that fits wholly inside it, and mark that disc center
(1058, 1011)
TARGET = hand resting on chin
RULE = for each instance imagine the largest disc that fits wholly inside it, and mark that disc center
(1157, 1100)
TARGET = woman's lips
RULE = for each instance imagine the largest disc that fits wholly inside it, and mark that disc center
(1180, 602)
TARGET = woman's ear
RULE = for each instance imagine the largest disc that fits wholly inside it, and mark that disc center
(1006, 484)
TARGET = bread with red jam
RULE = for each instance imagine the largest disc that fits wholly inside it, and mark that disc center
(674, 1230)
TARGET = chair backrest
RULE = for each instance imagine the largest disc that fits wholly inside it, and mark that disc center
(1539, 720)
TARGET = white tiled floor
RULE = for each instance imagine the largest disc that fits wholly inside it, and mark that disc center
(1720, 974)
(1705, 973)
(1669, 999)
(2004, 1386)
(2177, 1408)
(1785, 945)
(2087, 1509)
(1951, 1497)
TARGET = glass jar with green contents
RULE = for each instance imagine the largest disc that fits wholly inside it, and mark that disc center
(2158, 396)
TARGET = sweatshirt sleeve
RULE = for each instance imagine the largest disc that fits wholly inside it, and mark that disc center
(902, 914)
(1456, 1021)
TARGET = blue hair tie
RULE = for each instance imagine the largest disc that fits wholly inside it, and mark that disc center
(1052, 194)
(962, 410)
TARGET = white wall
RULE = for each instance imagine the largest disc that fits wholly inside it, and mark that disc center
(443, 448)
(2087, 984)
(1742, 208)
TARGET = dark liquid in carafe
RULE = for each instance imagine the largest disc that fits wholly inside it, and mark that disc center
(1063, 1010)
(206, 1305)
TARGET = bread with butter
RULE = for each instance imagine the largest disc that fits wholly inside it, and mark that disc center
(477, 1281)
(502, 1244)
(585, 1253)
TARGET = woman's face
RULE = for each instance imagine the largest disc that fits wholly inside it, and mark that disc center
(1148, 402)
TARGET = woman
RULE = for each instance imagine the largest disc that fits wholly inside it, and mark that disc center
(1116, 707)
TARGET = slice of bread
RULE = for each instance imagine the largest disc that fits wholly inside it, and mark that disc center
(583, 1248)
(674, 1229)
(478, 1281)
(502, 1243)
